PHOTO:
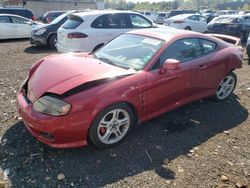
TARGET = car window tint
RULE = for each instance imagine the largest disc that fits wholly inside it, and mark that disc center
(194, 18)
(203, 19)
(247, 19)
(4, 19)
(139, 21)
(18, 20)
(73, 22)
(112, 21)
(207, 46)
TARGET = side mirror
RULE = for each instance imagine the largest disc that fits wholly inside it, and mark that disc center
(170, 64)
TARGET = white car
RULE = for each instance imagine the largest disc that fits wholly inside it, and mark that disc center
(192, 22)
(13, 26)
(86, 31)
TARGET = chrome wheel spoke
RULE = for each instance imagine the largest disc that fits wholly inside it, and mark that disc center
(226, 87)
(113, 126)
(107, 135)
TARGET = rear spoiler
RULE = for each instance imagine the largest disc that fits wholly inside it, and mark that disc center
(227, 38)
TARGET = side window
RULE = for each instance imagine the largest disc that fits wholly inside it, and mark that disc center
(203, 19)
(112, 21)
(18, 20)
(183, 50)
(207, 46)
(4, 19)
(194, 18)
(247, 19)
(139, 21)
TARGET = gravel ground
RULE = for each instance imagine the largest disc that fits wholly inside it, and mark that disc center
(203, 144)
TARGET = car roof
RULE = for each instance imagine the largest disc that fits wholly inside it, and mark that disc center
(184, 15)
(14, 8)
(13, 15)
(101, 12)
(166, 34)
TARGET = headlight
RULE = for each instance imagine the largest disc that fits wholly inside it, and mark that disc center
(40, 31)
(51, 106)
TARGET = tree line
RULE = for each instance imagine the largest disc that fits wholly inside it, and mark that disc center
(175, 4)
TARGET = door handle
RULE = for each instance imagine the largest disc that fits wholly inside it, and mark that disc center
(202, 67)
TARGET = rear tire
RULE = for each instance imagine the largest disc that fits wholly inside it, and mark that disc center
(188, 28)
(226, 87)
(52, 41)
(111, 125)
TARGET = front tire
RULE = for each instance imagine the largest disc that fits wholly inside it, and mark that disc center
(52, 41)
(111, 125)
(226, 87)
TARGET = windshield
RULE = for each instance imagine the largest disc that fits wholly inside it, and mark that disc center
(59, 18)
(129, 51)
(227, 20)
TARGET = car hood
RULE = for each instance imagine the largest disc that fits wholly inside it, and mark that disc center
(60, 73)
(40, 26)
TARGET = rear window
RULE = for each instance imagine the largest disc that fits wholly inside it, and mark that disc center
(73, 22)
(161, 15)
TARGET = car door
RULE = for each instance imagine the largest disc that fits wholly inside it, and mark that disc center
(206, 71)
(247, 24)
(171, 89)
(6, 28)
(193, 22)
(118, 24)
(202, 23)
(22, 27)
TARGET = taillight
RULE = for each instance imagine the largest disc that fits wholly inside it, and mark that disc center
(77, 35)
(33, 18)
(179, 21)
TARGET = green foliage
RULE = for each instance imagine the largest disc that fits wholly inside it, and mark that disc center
(170, 4)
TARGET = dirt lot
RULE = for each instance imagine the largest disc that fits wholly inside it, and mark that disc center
(203, 144)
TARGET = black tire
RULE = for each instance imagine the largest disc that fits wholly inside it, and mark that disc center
(248, 51)
(242, 37)
(52, 41)
(188, 28)
(232, 78)
(95, 134)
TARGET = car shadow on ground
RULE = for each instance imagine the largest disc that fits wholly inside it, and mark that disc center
(39, 50)
(31, 163)
(13, 40)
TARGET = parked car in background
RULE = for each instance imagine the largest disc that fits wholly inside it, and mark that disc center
(87, 31)
(225, 12)
(192, 22)
(26, 13)
(161, 17)
(47, 34)
(235, 25)
(51, 15)
(209, 16)
(98, 98)
(149, 15)
(177, 12)
(14, 26)
(248, 46)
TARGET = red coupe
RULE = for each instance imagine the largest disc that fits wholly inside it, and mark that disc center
(71, 99)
